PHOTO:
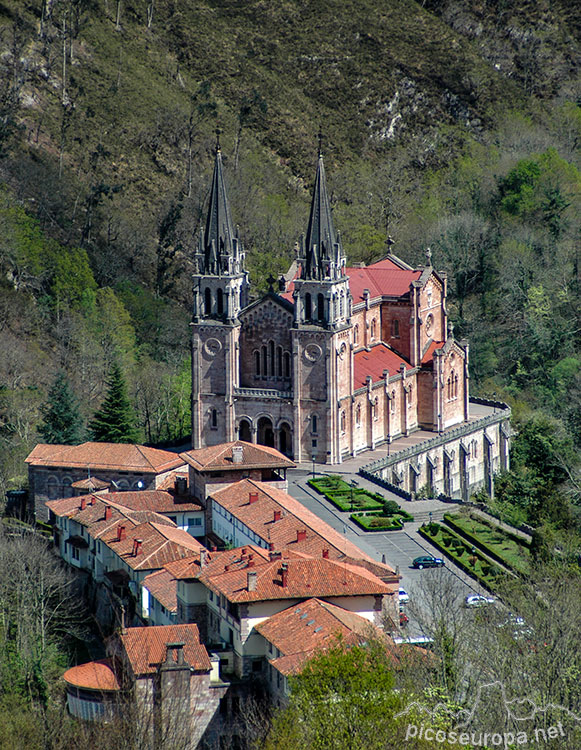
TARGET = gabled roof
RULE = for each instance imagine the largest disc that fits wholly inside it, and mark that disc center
(159, 501)
(383, 279)
(279, 299)
(162, 586)
(105, 457)
(429, 353)
(259, 516)
(305, 577)
(219, 457)
(190, 568)
(91, 483)
(160, 544)
(146, 647)
(373, 362)
(313, 625)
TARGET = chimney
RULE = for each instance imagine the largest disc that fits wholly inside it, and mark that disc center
(92, 501)
(108, 512)
(203, 559)
(83, 503)
(137, 546)
(301, 535)
(178, 647)
(214, 548)
(181, 485)
(270, 546)
(120, 533)
(284, 574)
(250, 563)
(253, 497)
(251, 580)
(277, 515)
(274, 555)
(237, 454)
(243, 550)
(326, 553)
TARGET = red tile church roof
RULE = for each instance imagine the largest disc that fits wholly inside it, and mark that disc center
(94, 675)
(105, 457)
(373, 362)
(380, 280)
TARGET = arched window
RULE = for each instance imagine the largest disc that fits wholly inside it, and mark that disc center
(358, 415)
(122, 484)
(321, 307)
(373, 328)
(264, 363)
(52, 488)
(257, 363)
(287, 365)
(314, 424)
(308, 307)
(374, 410)
(208, 301)
(271, 357)
(455, 386)
(214, 418)
(356, 335)
(342, 421)
(279, 361)
(220, 302)
(395, 329)
(67, 490)
(392, 402)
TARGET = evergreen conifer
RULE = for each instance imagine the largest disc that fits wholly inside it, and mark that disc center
(62, 422)
(115, 421)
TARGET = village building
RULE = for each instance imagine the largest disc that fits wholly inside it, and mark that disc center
(55, 471)
(338, 360)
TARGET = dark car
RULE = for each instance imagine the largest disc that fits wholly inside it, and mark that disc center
(427, 561)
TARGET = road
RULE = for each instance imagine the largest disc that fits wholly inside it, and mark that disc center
(396, 548)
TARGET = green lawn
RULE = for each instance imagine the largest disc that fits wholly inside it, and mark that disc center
(344, 497)
(513, 554)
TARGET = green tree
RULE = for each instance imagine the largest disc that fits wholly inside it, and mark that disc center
(115, 421)
(62, 422)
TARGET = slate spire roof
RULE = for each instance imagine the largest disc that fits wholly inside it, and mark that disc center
(322, 246)
(217, 239)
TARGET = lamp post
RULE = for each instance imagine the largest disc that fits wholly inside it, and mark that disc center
(430, 516)
(314, 457)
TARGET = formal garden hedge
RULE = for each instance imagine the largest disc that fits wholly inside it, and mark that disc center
(374, 512)
(508, 549)
(466, 556)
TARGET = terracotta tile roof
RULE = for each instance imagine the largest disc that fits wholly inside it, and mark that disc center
(312, 625)
(373, 362)
(259, 516)
(214, 562)
(219, 457)
(383, 279)
(168, 482)
(105, 457)
(163, 586)
(160, 544)
(94, 675)
(429, 355)
(160, 501)
(146, 647)
(306, 577)
(91, 483)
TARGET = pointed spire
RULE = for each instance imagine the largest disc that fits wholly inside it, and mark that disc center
(321, 241)
(219, 229)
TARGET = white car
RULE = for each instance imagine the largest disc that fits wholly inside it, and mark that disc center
(478, 600)
(403, 596)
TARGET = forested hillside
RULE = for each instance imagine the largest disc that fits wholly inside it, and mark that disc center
(453, 125)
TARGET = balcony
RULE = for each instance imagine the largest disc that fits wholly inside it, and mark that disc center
(272, 393)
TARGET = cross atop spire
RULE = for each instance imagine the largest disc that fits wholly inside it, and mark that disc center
(218, 133)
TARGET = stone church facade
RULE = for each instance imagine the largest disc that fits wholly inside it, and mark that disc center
(337, 361)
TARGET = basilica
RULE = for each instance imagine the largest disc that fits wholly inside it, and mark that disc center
(333, 361)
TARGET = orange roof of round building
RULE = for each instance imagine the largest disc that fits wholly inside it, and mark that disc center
(94, 675)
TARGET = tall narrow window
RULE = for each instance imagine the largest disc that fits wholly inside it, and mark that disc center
(271, 357)
(356, 335)
(264, 363)
(342, 421)
(308, 307)
(279, 361)
(321, 307)
(395, 329)
(341, 305)
(455, 386)
(257, 363)
(449, 389)
(373, 328)
(314, 421)
(214, 418)
(358, 415)
(208, 301)
(220, 302)
(287, 365)
(392, 402)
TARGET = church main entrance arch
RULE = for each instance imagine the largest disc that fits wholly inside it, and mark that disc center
(265, 432)
(285, 443)
(245, 431)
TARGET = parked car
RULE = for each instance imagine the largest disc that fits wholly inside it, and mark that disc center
(478, 600)
(427, 561)
(403, 596)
